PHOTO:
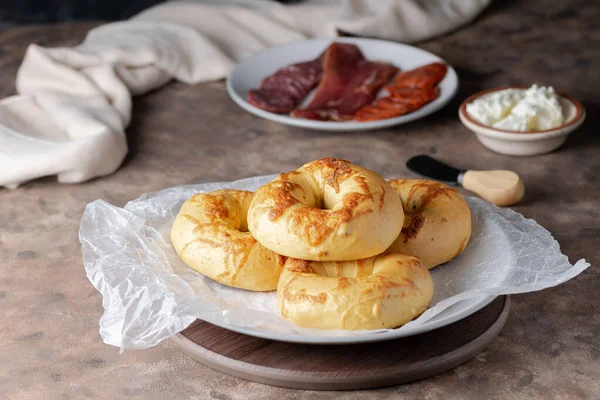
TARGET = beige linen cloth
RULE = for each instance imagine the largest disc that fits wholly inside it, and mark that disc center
(74, 104)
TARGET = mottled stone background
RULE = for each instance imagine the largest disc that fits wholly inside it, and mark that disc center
(549, 348)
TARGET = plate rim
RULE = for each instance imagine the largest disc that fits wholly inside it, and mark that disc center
(479, 303)
(341, 126)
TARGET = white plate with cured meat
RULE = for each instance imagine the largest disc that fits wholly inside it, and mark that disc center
(343, 84)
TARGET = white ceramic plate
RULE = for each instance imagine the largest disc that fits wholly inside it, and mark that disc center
(445, 284)
(250, 72)
(452, 314)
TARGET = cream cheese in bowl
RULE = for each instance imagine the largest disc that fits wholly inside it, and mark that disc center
(522, 110)
(521, 121)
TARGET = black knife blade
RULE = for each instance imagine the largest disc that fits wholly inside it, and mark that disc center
(434, 169)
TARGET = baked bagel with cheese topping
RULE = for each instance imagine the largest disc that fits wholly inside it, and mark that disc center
(386, 291)
(437, 223)
(210, 235)
(328, 210)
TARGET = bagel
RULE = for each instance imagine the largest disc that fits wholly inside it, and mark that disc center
(210, 235)
(327, 210)
(437, 223)
(378, 292)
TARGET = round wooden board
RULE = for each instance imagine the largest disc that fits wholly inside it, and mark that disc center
(344, 367)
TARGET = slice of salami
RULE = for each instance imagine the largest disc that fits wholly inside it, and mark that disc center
(285, 84)
(426, 76)
(387, 103)
(412, 96)
(308, 73)
(373, 113)
(287, 87)
(401, 102)
(272, 100)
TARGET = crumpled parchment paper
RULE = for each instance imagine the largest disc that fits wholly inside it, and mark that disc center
(149, 294)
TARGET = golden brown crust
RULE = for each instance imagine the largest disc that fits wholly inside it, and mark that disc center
(314, 223)
(419, 197)
(378, 292)
(317, 225)
(461, 247)
(343, 283)
(209, 235)
(281, 192)
(299, 266)
(412, 225)
(328, 209)
(334, 171)
(212, 206)
(308, 299)
(437, 224)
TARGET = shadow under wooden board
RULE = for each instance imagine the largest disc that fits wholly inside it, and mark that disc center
(344, 367)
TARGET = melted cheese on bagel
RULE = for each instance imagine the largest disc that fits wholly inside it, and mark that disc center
(328, 209)
(210, 235)
(378, 292)
(437, 224)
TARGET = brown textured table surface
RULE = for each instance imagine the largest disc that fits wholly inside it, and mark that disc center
(550, 347)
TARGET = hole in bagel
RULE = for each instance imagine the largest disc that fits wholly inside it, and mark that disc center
(321, 205)
(243, 225)
(328, 199)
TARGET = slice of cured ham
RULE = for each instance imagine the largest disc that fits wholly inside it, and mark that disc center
(284, 90)
(349, 82)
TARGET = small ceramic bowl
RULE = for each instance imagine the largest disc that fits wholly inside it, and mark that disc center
(524, 143)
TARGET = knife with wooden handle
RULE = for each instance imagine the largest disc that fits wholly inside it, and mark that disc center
(501, 187)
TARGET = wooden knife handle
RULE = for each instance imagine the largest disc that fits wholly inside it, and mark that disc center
(503, 188)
